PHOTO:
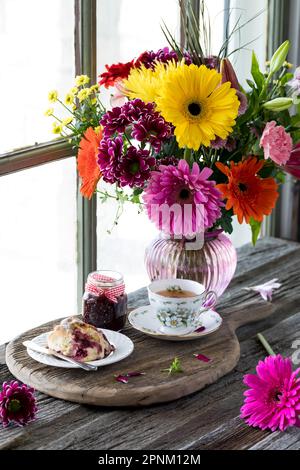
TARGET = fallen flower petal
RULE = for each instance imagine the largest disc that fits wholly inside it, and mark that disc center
(124, 378)
(202, 357)
(266, 289)
(200, 329)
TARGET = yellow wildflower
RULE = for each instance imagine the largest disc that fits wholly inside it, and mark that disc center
(82, 80)
(95, 88)
(94, 100)
(83, 94)
(57, 128)
(67, 121)
(74, 90)
(287, 65)
(69, 98)
(74, 107)
(52, 96)
(49, 112)
(97, 129)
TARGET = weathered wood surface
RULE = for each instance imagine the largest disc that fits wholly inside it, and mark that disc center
(156, 386)
(208, 419)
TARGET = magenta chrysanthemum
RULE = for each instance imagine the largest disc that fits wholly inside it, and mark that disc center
(17, 403)
(273, 399)
(134, 168)
(120, 117)
(126, 168)
(113, 121)
(110, 153)
(153, 129)
(150, 58)
(193, 201)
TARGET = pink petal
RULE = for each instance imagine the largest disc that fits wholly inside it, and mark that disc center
(202, 357)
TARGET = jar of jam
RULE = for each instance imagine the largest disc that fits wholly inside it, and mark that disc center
(105, 300)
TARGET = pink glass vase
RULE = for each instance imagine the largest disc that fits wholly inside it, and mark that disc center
(213, 265)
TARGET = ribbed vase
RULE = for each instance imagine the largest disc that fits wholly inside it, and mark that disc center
(213, 265)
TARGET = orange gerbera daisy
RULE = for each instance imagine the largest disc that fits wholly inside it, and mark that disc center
(88, 168)
(246, 193)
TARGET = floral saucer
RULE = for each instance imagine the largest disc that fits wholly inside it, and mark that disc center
(144, 319)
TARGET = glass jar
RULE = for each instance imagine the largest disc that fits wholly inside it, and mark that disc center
(105, 300)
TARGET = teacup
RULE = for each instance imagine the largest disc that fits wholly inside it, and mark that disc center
(180, 314)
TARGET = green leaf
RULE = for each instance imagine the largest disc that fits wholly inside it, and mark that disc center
(250, 83)
(225, 222)
(175, 367)
(255, 229)
(257, 75)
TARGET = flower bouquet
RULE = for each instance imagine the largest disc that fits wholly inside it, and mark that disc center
(187, 143)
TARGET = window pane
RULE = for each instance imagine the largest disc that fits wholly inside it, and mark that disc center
(36, 55)
(37, 246)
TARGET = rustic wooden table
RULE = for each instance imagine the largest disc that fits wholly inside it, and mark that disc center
(208, 419)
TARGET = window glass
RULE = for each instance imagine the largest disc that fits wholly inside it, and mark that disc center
(37, 246)
(36, 55)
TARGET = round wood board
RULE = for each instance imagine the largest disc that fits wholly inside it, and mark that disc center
(150, 356)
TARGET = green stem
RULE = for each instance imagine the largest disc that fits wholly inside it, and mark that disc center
(66, 107)
(188, 155)
(265, 344)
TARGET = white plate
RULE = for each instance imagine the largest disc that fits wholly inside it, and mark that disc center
(124, 347)
(145, 320)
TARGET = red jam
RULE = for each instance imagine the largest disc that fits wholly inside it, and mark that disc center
(103, 313)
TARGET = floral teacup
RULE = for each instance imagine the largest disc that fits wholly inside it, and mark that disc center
(179, 314)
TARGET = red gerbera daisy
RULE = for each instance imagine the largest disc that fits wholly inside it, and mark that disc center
(246, 192)
(88, 168)
(115, 72)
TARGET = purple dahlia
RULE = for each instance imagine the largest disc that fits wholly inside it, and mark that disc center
(113, 121)
(134, 168)
(120, 117)
(110, 152)
(153, 129)
(228, 144)
(180, 200)
(164, 55)
(17, 403)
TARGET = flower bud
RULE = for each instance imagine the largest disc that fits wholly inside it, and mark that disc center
(279, 57)
(228, 74)
(278, 104)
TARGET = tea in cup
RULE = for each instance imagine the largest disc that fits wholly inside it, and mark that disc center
(178, 303)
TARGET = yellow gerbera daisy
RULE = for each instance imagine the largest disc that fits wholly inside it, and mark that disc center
(145, 83)
(194, 101)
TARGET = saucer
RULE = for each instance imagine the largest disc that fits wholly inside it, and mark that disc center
(144, 319)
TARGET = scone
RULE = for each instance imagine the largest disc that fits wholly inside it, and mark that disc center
(79, 340)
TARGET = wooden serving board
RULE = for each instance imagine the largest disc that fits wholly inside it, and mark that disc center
(150, 356)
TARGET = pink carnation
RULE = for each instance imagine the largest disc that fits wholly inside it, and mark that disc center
(277, 143)
(273, 398)
(180, 200)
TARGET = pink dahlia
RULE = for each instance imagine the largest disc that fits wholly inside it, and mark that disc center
(180, 200)
(17, 403)
(273, 398)
(277, 143)
(292, 166)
